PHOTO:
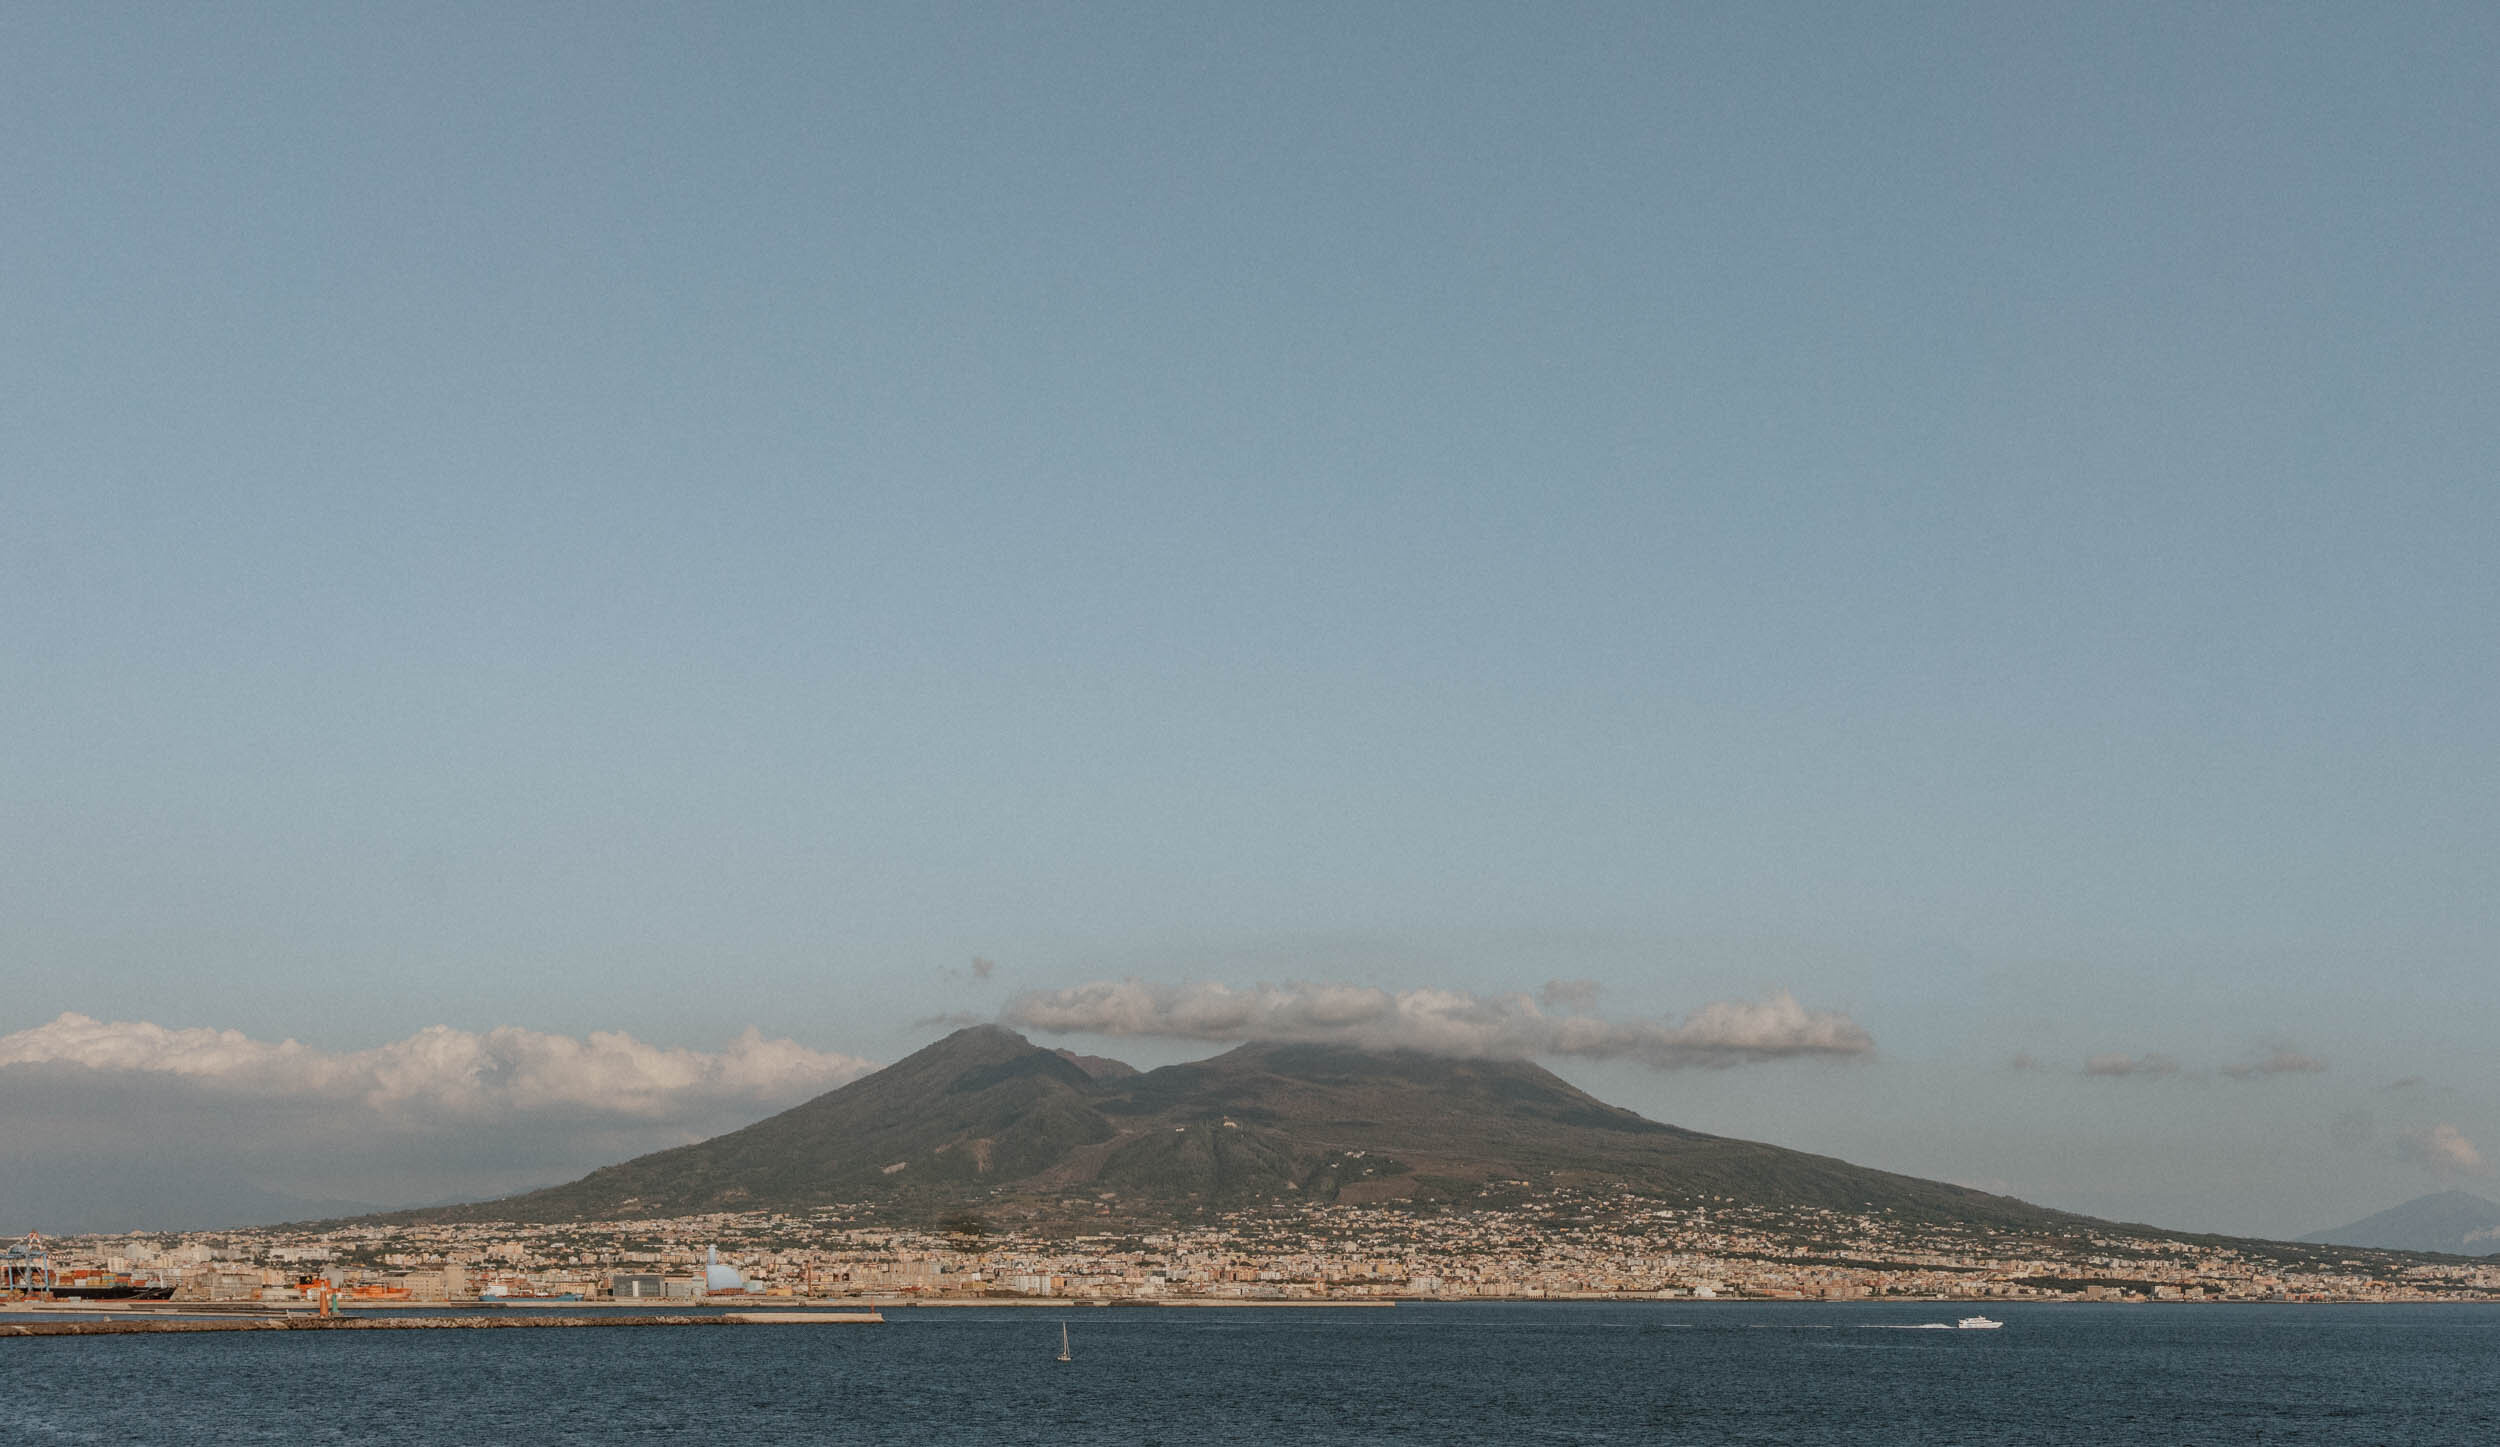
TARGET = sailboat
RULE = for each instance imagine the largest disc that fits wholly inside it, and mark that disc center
(1063, 1343)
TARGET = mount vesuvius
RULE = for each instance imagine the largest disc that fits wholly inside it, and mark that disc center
(984, 1119)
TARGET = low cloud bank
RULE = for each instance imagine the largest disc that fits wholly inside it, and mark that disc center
(444, 1074)
(2282, 1060)
(232, 1129)
(2277, 1059)
(1443, 1022)
(2111, 1066)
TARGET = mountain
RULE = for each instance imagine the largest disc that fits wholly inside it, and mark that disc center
(2456, 1222)
(985, 1119)
(1098, 1066)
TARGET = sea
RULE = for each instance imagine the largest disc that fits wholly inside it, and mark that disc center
(1647, 1372)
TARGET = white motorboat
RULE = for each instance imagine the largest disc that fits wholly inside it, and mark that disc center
(1978, 1323)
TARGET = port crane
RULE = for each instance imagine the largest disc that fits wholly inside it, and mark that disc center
(26, 1268)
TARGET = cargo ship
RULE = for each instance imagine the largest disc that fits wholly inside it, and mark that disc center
(118, 1291)
(89, 1285)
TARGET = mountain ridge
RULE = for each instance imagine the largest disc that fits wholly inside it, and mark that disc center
(983, 1119)
(2455, 1223)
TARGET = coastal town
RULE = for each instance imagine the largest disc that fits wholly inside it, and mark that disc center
(1567, 1245)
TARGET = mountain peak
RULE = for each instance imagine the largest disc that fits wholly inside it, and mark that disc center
(2458, 1223)
(985, 1119)
(979, 1037)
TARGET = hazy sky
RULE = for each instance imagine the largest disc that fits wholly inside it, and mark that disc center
(665, 520)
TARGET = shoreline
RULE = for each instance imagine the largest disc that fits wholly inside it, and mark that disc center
(299, 1322)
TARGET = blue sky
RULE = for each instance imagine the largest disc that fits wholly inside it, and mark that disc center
(667, 520)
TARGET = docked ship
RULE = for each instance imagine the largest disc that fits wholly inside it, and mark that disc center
(110, 1291)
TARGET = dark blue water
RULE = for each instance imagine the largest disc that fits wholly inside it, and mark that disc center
(1662, 1373)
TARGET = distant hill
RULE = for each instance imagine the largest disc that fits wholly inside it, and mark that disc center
(986, 1119)
(2456, 1222)
(66, 1194)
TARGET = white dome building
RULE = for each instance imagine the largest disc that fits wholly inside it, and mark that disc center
(718, 1278)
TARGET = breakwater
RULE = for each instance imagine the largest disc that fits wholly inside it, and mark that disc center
(129, 1326)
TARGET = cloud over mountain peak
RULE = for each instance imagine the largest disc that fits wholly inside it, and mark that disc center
(1445, 1022)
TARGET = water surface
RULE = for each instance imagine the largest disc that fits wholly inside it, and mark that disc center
(1579, 1372)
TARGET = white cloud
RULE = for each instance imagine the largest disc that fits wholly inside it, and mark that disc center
(1444, 1022)
(231, 1128)
(2442, 1149)
(444, 1075)
(2118, 1065)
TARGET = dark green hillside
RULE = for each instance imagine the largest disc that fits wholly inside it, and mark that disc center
(984, 1119)
(978, 1108)
(1480, 1120)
